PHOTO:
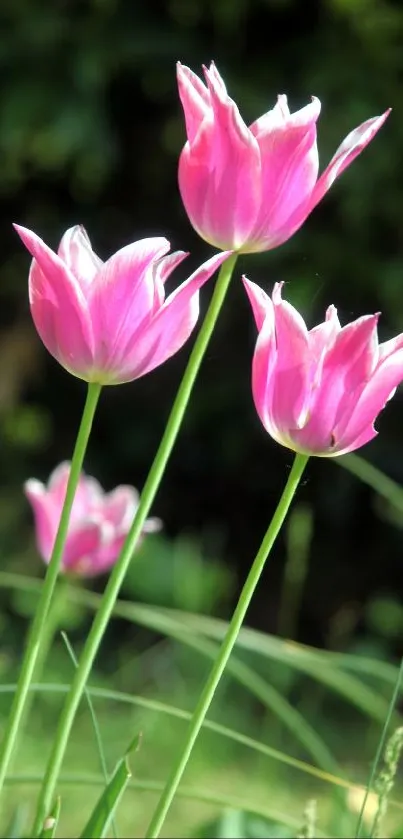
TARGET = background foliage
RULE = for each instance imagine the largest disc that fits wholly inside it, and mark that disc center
(90, 131)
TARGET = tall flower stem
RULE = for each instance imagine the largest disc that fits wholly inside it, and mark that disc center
(52, 626)
(38, 627)
(227, 646)
(115, 581)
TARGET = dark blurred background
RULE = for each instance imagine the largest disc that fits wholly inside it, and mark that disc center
(90, 132)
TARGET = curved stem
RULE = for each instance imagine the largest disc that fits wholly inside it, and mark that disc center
(115, 581)
(227, 646)
(38, 627)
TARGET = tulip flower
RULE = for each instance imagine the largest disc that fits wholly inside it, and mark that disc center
(319, 392)
(250, 189)
(99, 521)
(110, 322)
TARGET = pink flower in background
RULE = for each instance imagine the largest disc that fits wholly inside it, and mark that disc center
(250, 189)
(99, 520)
(110, 322)
(319, 392)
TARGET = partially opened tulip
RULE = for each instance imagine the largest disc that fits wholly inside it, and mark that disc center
(319, 392)
(110, 322)
(250, 188)
(99, 521)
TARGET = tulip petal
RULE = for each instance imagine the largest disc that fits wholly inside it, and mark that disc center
(220, 172)
(171, 326)
(321, 337)
(58, 306)
(162, 270)
(123, 300)
(259, 300)
(374, 396)
(292, 368)
(388, 347)
(348, 365)
(290, 166)
(352, 145)
(76, 252)
(81, 545)
(195, 99)
(274, 119)
(46, 515)
(264, 360)
(120, 506)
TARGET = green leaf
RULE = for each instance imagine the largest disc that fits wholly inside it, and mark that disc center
(51, 822)
(238, 824)
(16, 826)
(107, 803)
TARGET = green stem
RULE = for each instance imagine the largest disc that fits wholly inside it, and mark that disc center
(227, 646)
(38, 626)
(51, 627)
(115, 581)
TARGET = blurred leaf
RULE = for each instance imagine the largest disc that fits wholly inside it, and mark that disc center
(236, 824)
(384, 617)
(17, 825)
(176, 573)
(106, 805)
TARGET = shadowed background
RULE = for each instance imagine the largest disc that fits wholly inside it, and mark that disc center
(90, 132)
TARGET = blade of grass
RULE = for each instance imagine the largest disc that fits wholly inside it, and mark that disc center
(108, 801)
(16, 826)
(374, 477)
(379, 751)
(97, 732)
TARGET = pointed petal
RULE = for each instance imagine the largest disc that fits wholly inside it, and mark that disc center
(162, 270)
(292, 368)
(219, 173)
(89, 492)
(46, 516)
(375, 395)
(276, 118)
(281, 118)
(76, 252)
(211, 74)
(120, 506)
(389, 347)
(58, 306)
(170, 327)
(321, 337)
(123, 299)
(57, 482)
(351, 147)
(348, 365)
(195, 99)
(263, 364)
(259, 300)
(290, 166)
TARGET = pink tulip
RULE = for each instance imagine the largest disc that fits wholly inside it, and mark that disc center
(319, 392)
(110, 322)
(250, 189)
(99, 521)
